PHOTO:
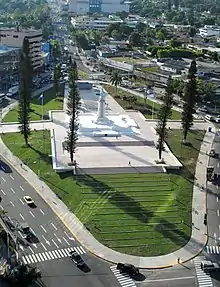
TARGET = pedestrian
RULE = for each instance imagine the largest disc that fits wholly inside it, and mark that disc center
(21, 164)
(129, 163)
(178, 260)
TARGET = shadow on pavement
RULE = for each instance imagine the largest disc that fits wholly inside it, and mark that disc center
(139, 277)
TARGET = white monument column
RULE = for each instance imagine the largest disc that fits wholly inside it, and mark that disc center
(101, 109)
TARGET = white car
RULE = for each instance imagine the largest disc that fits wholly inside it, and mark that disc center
(28, 200)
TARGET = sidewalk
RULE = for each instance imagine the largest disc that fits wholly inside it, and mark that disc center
(190, 250)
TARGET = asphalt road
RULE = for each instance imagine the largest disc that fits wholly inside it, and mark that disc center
(50, 234)
(181, 275)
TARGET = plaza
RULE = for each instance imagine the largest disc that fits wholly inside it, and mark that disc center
(110, 139)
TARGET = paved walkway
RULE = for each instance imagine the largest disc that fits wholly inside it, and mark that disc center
(190, 250)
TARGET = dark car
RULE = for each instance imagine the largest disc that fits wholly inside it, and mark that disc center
(128, 268)
(76, 258)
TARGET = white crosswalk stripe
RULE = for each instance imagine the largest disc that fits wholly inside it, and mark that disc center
(51, 255)
(204, 279)
(123, 278)
(212, 249)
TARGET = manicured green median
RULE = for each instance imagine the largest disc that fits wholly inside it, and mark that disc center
(50, 102)
(144, 106)
(140, 214)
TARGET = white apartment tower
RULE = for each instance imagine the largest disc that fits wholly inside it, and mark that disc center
(15, 37)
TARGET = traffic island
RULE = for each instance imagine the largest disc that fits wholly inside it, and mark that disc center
(139, 214)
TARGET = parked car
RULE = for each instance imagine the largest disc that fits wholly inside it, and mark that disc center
(209, 266)
(128, 268)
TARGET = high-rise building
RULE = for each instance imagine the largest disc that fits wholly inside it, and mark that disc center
(15, 37)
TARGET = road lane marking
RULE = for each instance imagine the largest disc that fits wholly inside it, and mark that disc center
(42, 211)
(53, 226)
(21, 201)
(217, 198)
(21, 188)
(218, 164)
(32, 231)
(55, 243)
(1, 207)
(3, 191)
(12, 189)
(66, 241)
(22, 217)
(46, 240)
(43, 229)
(10, 219)
(12, 203)
(11, 177)
(218, 212)
(215, 237)
(2, 167)
(43, 246)
(34, 244)
(22, 235)
(31, 213)
(57, 237)
(69, 237)
(169, 279)
(3, 179)
(31, 249)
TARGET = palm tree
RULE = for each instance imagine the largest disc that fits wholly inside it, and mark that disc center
(116, 80)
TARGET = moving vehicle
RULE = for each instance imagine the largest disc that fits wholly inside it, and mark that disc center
(212, 153)
(76, 258)
(13, 91)
(209, 266)
(28, 200)
(128, 268)
(25, 229)
(208, 117)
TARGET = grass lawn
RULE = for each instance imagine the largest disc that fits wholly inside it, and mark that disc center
(145, 107)
(128, 60)
(140, 214)
(82, 75)
(50, 103)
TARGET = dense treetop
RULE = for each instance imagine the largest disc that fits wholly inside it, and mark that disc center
(27, 14)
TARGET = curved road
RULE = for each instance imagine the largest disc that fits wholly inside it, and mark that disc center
(52, 240)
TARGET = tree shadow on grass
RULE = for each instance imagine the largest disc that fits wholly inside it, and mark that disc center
(170, 230)
(43, 156)
(119, 199)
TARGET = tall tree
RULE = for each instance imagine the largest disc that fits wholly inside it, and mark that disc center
(116, 80)
(25, 91)
(56, 79)
(73, 106)
(189, 98)
(164, 114)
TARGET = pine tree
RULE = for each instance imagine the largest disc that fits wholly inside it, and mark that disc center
(164, 114)
(189, 100)
(25, 91)
(73, 105)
